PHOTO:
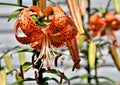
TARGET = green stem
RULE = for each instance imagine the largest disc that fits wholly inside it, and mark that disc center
(103, 77)
(88, 69)
(0, 65)
(9, 51)
(96, 78)
(34, 2)
(107, 6)
(40, 71)
(10, 4)
(89, 3)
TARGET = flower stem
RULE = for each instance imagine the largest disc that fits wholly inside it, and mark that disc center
(88, 69)
(42, 4)
(10, 4)
(34, 2)
(96, 78)
(107, 6)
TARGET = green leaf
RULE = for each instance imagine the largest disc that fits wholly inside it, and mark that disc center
(58, 73)
(102, 10)
(35, 19)
(23, 80)
(26, 66)
(23, 50)
(18, 77)
(106, 78)
(46, 83)
(75, 77)
(8, 63)
(14, 14)
(105, 83)
(84, 76)
(54, 79)
(8, 51)
(99, 57)
(19, 2)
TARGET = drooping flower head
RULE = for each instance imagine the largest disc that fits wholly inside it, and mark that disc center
(100, 26)
(56, 33)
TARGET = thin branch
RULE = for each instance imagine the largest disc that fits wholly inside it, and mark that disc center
(10, 4)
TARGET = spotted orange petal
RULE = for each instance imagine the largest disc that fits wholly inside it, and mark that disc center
(61, 28)
(30, 29)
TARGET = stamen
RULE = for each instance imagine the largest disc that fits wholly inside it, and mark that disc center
(42, 51)
(56, 58)
(33, 56)
(36, 77)
(75, 63)
(61, 78)
(21, 72)
(68, 82)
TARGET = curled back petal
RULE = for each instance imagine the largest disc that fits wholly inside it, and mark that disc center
(23, 40)
(29, 28)
(48, 10)
(37, 10)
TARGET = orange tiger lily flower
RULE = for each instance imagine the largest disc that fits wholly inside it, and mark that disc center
(56, 33)
(112, 21)
(95, 25)
(96, 22)
(106, 25)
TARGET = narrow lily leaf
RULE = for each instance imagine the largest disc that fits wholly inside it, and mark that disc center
(91, 54)
(9, 51)
(105, 83)
(23, 50)
(84, 76)
(76, 15)
(22, 57)
(117, 5)
(26, 66)
(110, 80)
(19, 2)
(102, 10)
(14, 14)
(54, 79)
(58, 73)
(75, 77)
(18, 77)
(2, 77)
(8, 63)
(23, 80)
(35, 19)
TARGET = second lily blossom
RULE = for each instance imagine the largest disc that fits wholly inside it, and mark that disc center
(106, 25)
